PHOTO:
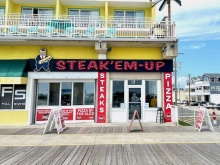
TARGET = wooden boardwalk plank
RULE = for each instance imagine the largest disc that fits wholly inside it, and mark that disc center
(81, 156)
(93, 155)
(73, 152)
(9, 152)
(125, 155)
(66, 152)
(108, 156)
(119, 155)
(102, 154)
(76, 155)
(87, 155)
(113, 154)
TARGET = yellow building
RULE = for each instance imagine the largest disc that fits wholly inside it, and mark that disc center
(97, 60)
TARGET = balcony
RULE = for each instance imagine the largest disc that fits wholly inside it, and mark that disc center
(84, 27)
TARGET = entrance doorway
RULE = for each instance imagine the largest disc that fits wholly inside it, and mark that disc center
(134, 101)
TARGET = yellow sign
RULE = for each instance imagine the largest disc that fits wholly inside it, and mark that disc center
(13, 80)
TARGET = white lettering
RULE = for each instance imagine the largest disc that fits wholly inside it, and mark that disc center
(101, 109)
(102, 96)
(168, 84)
(168, 106)
(102, 82)
(101, 102)
(102, 75)
(168, 98)
(102, 89)
(167, 76)
(20, 94)
(168, 90)
(4, 90)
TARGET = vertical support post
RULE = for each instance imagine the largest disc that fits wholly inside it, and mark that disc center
(189, 89)
(175, 82)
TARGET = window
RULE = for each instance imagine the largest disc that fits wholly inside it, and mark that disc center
(217, 88)
(212, 88)
(83, 12)
(13, 97)
(33, 11)
(117, 94)
(65, 93)
(137, 14)
(212, 79)
(151, 93)
(2, 11)
(134, 82)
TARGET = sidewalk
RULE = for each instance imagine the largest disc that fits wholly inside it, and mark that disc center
(108, 133)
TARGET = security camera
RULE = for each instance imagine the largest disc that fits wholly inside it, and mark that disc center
(172, 46)
(109, 49)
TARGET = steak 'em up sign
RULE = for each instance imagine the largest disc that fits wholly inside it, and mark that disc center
(167, 96)
(107, 65)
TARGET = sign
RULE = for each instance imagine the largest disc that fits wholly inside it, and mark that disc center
(167, 95)
(85, 113)
(203, 114)
(17, 94)
(42, 114)
(132, 121)
(13, 80)
(100, 65)
(68, 114)
(101, 98)
(55, 119)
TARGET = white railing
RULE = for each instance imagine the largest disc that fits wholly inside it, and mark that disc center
(85, 21)
(26, 18)
(84, 28)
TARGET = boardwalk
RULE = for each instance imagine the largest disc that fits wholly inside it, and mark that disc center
(113, 145)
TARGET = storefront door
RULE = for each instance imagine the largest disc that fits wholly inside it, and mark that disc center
(134, 101)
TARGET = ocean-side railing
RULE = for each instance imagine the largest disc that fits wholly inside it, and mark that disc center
(69, 28)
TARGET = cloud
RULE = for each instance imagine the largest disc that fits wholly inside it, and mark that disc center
(198, 46)
(181, 82)
(194, 23)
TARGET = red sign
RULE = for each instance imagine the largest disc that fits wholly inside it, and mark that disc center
(167, 95)
(42, 114)
(67, 114)
(84, 113)
(200, 119)
(101, 101)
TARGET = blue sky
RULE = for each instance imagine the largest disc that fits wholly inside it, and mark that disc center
(198, 31)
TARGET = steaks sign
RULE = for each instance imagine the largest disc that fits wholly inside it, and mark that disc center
(108, 65)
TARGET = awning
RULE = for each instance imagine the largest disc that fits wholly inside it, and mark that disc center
(13, 68)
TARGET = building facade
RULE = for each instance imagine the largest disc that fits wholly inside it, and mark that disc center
(205, 88)
(99, 61)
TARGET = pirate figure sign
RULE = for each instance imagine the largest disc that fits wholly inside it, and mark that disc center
(42, 61)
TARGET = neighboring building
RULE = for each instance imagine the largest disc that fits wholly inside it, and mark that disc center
(99, 61)
(205, 88)
(181, 95)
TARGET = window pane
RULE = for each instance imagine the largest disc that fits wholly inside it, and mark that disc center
(54, 93)
(74, 12)
(119, 13)
(2, 10)
(134, 82)
(94, 13)
(27, 11)
(139, 14)
(118, 93)
(89, 93)
(129, 13)
(85, 13)
(66, 93)
(78, 94)
(151, 93)
(43, 88)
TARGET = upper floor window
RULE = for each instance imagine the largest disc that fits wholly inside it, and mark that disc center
(83, 12)
(2, 10)
(212, 79)
(35, 11)
(212, 88)
(217, 88)
(134, 14)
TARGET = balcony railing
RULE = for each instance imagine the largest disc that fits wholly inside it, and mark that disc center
(85, 27)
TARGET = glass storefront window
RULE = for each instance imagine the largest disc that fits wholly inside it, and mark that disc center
(54, 94)
(71, 93)
(78, 94)
(66, 93)
(89, 93)
(117, 94)
(151, 93)
(42, 98)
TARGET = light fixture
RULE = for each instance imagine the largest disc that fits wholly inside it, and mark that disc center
(64, 10)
